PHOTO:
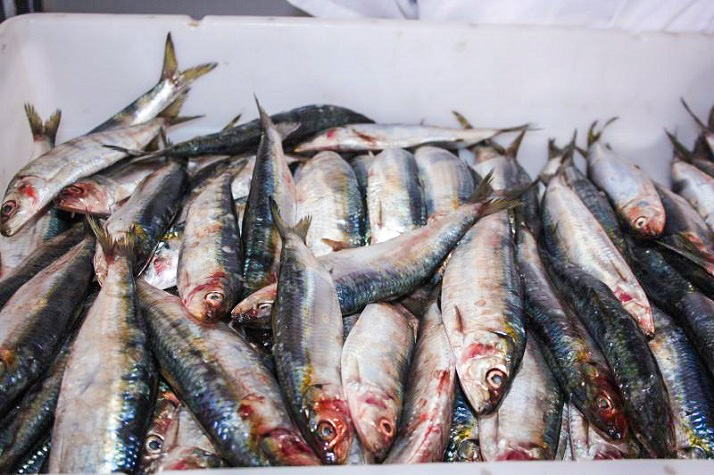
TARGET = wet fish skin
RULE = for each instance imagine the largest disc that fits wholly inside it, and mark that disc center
(395, 200)
(423, 433)
(35, 461)
(696, 187)
(166, 408)
(586, 443)
(366, 136)
(690, 389)
(327, 191)
(576, 234)
(482, 303)
(307, 331)
(271, 179)
(375, 366)
(110, 374)
(224, 383)
(172, 84)
(35, 319)
(162, 269)
(147, 213)
(244, 137)
(526, 426)
(574, 358)
(463, 434)
(625, 348)
(446, 180)
(209, 264)
(38, 260)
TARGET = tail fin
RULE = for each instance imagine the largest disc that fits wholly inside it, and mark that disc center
(483, 190)
(36, 126)
(232, 123)
(517, 128)
(699, 122)
(171, 112)
(283, 228)
(684, 248)
(594, 136)
(284, 129)
(52, 125)
(170, 68)
(512, 150)
(463, 121)
(680, 151)
(114, 248)
(701, 149)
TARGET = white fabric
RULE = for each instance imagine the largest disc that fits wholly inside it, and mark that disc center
(631, 15)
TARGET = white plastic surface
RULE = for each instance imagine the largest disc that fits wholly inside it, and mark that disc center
(91, 66)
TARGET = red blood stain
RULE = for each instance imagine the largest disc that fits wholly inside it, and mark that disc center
(331, 133)
(28, 190)
(245, 411)
(516, 454)
(478, 349)
(374, 401)
(444, 381)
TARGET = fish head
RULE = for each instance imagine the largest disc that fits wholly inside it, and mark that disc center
(26, 196)
(375, 414)
(484, 369)
(86, 196)
(637, 305)
(330, 430)
(256, 309)
(286, 447)
(208, 302)
(468, 450)
(604, 405)
(165, 414)
(645, 219)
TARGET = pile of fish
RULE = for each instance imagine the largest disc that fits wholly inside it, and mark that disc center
(315, 288)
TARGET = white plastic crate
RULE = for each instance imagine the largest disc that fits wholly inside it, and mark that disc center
(91, 66)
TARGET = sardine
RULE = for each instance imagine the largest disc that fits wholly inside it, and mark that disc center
(307, 330)
(482, 303)
(103, 193)
(390, 269)
(362, 137)
(162, 269)
(586, 443)
(328, 192)
(209, 265)
(271, 180)
(423, 432)
(44, 133)
(166, 409)
(581, 239)
(147, 213)
(706, 130)
(41, 180)
(463, 434)
(395, 200)
(690, 389)
(172, 85)
(696, 187)
(34, 322)
(38, 260)
(699, 156)
(526, 426)
(564, 450)
(625, 348)
(630, 190)
(375, 366)
(110, 374)
(224, 383)
(245, 137)
(36, 459)
(576, 361)
(446, 180)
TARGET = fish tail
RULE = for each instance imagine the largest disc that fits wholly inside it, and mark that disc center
(699, 122)
(265, 121)
(114, 248)
(232, 123)
(517, 128)
(52, 125)
(483, 190)
(512, 149)
(283, 228)
(170, 69)
(35, 121)
(684, 248)
(680, 151)
(594, 135)
(171, 112)
(191, 74)
(463, 121)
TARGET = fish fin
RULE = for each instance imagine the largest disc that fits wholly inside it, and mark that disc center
(684, 248)
(36, 126)
(170, 66)
(483, 190)
(336, 245)
(232, 123)
(701, 148)
(171, 112)
(191, 74)
(283, 228)
(593, 135)
(699, 122)
(553, 150)
(113, 248)
(132, 152)
(163, 139)
(52, 125)
(512, 149)
(463, 121)
(170, 70)
(285, 129)
(517, 128)
(265, 121)
(680, 151)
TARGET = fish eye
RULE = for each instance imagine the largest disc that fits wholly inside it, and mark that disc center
(468, 450)
(265, 305)
(8, 208)
(326, 431)
(603, 403)
(495, 378)
(214, 297)
(386, 427)
(73, 190)
(153, 444)
(640, 222)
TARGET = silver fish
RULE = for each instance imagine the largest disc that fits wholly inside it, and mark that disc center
(328, 192)
(482, 304)
(375, 366)
(629, 189)
(586, 443)
(209, 264)
(44, 134)
(162, 269)
(696, 187)
(463, 434)
(395, 200)
(527, 424)
(363, 137)
(423, 432)
(446, 180)
(110, 374)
